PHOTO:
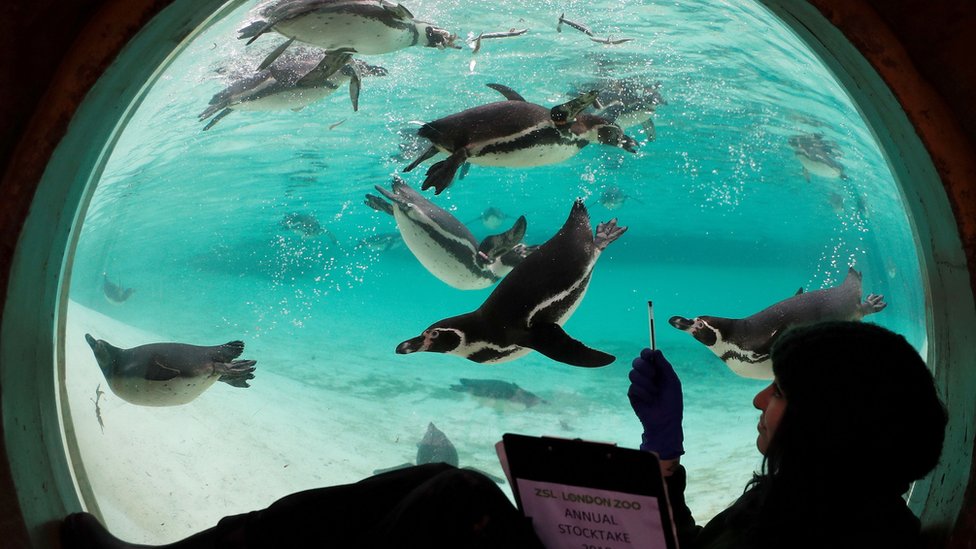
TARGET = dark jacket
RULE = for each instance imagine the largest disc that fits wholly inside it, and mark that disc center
(851, 522)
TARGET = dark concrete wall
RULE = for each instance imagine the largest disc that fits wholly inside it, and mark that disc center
(52, 51)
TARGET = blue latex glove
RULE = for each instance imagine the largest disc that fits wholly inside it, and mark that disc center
(655, 396)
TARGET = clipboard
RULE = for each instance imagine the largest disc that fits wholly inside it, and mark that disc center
(581, 493)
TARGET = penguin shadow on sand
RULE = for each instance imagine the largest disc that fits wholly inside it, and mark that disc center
(502, 395)
(444, 245)
(435, 447)
(744, 343)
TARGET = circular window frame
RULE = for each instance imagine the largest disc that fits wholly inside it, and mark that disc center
(50, 481)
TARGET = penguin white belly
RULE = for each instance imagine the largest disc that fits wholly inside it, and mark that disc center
(537, 155)
(438, 260)
(331, 31)
(291, 99)
(743, 362)
(172, 392)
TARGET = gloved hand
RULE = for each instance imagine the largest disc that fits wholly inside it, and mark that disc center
(655, 396)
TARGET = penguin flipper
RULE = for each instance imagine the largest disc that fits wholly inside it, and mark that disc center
(379, 204)
(552, 341)
(427, 154)
(649, 130)
(355, 84)
(157, 371)
(275, 53)
(217, 118)
(509, 93)
(441, 174)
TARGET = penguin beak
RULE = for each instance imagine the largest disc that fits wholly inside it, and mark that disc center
(411, 346)
(628, 144)
(681, 323)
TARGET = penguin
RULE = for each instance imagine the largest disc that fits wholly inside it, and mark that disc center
(527, 309)
(613, 197)
(115, 293)
(292, 83)
(514, 133)
(628, 102)
(744, 343)
(370, 27)
(817, 155)
(169, 374)
(444, 246)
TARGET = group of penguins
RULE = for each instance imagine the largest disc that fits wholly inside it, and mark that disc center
(538, 287)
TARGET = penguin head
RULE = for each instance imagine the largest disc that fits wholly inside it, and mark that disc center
(596, 129)
(436, 339)
(440, 38)
(699, 327)
(564, 115)
(104, 354)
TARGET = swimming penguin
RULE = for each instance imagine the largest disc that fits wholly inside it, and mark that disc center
(527, 309)
(381, 242)
(370, 27)
(613, 197)
(817, 155)
(514, 133)
(744, 343)
(628, 102)
(303, 224)
(492, 217)
(292, 83)
(115, 293)
(169, 374)
(444, 246)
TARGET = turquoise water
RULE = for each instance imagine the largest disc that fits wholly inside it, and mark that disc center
(721, 220)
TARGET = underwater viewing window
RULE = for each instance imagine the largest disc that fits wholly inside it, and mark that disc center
(242, 209)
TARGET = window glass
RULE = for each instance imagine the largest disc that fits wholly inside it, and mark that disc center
(754, 176)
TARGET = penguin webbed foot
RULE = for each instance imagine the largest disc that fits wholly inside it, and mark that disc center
(873, 303)
(441, 174)
(607, 232)
(431, 151)
(236, 373)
